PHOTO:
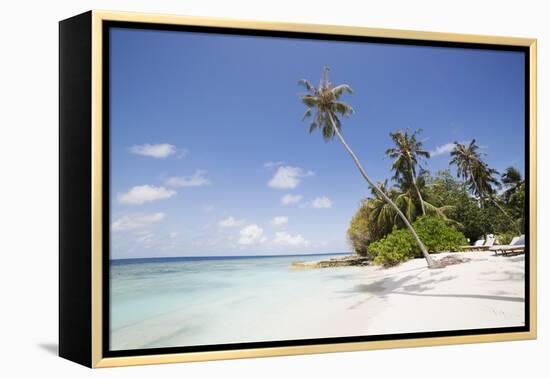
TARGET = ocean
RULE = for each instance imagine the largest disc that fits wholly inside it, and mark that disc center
(184, 301)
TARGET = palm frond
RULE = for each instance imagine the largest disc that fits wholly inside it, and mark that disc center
(309, 101)
(307, 114)
(340, 89)
(328, 132)
(310, 87)
(312, 127)
(324, 101)
(342, 108)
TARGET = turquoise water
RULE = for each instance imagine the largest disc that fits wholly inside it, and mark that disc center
(197, 301)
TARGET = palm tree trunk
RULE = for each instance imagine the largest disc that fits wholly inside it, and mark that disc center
(413, 174)
(429, 260)
(477, 189)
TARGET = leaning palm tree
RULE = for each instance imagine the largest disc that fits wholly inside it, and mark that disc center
(406, 154)
(325, 101)
(477, 174)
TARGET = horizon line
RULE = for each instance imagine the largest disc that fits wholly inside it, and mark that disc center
(218, 256)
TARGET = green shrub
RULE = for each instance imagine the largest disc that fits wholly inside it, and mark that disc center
(437, 236)
(359, 232)
(396, 247)
(400, 245)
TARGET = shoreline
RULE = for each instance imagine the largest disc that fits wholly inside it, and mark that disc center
(485, 292)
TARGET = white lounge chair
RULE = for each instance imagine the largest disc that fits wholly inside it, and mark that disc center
(517, 245)
(481, 245)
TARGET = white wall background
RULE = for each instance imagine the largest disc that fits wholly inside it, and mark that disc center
(28, 190)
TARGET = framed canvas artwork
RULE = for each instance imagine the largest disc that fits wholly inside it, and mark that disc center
(236, 189)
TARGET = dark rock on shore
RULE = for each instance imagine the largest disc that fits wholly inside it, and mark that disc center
(332, 263)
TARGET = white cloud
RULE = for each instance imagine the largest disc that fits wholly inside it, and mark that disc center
(272, 164)
(209, 208)
(251, 234)
(197, 179)
(182, 153)
(136, 221)
(158, 151)
(173, 235)
(145, 238)
(230, 222)
(442, 150)
(287, 199)
(279, 221)
(321, 203)
(288, 177)
(144, 193)
(284, 238)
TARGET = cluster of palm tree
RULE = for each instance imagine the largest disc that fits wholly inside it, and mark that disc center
(481, 179)
(400, 205)
(325, 101)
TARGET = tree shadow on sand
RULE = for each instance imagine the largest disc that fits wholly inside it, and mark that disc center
(387, 285)
(505, 276)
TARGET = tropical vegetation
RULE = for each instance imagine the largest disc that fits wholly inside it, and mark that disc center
(449, 201)
(398, 245)
(414, 212)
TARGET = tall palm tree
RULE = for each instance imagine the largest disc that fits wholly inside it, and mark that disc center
(471, 168)
(478, 175)
(512, 180)
(465, 157)
(325, 101)
(485, 180)
(406, 154)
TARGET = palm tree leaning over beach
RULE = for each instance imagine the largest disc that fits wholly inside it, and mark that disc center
(406, 154)
(325, 101)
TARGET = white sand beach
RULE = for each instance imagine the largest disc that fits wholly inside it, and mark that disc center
(269, 301)
(488, 291)
(485, 292)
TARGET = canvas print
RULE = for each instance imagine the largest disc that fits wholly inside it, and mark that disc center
(270, 189)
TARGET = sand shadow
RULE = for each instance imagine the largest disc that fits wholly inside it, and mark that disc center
(505, 276)
(390, 274)
(473, 296)
(386, 286)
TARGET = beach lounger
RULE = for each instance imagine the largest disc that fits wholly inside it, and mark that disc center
(477, 244)
(483, 246)
(517, 245)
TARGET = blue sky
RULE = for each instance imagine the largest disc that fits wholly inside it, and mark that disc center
(209, 155)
